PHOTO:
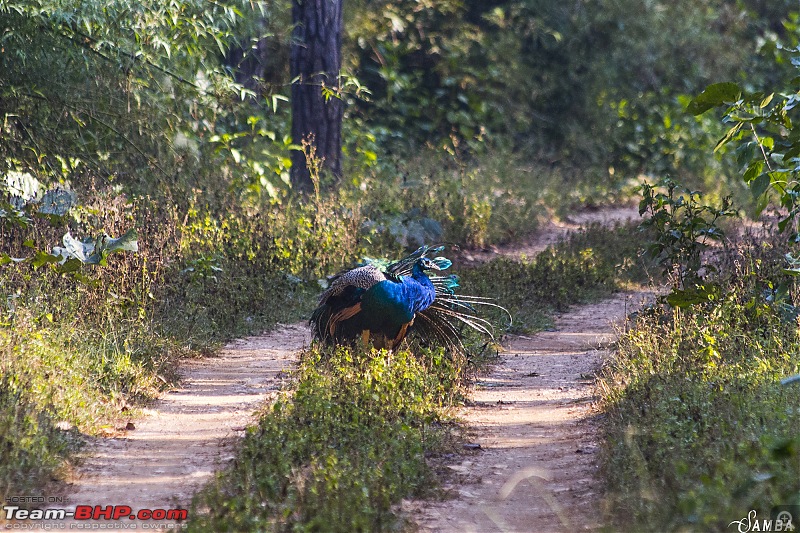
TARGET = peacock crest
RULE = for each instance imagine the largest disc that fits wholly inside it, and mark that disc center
(383, 302)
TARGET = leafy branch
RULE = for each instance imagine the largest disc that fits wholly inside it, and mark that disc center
(683, 227)
(769, 155)
(24, 197)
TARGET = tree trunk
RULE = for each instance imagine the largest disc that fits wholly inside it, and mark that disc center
(315, 62)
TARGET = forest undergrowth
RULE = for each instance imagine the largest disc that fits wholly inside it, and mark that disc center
(701, 409)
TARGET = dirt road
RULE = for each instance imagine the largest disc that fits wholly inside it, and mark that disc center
(531, 416)
(188, 433)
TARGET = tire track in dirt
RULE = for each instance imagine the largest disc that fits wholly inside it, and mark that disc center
(189, 432)
(532, 416)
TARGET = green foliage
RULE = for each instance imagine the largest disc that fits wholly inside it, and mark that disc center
(54, 379)
(31, 445)
(714, 95)
(192, 95)
(654, 136)
(681, 226)
(340, 449)
(95, 251)
(138, 95)
(768, 141)
(590, 86)
(699, 428)
(436, 197)
(26, 197)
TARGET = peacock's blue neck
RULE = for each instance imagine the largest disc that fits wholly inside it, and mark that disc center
(424, 293)
(389, 305)
(419, 275)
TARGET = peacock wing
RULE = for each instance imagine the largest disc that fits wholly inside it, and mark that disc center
(342, 301)
(360, 278)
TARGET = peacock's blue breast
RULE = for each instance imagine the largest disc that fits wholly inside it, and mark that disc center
(390, 304)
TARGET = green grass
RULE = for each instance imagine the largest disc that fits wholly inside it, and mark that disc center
(497, 197)
(60, 376)
(699, 430)
(337, 453)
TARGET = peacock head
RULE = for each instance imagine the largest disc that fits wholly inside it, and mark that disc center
(427, 264)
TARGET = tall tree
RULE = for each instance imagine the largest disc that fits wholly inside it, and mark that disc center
(316, 59)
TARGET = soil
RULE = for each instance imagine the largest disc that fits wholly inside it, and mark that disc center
(534, 470)
(554, 231)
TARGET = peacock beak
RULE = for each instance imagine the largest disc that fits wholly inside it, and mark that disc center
(431, 265)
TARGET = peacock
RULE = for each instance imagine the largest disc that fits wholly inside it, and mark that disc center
(383, 303)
